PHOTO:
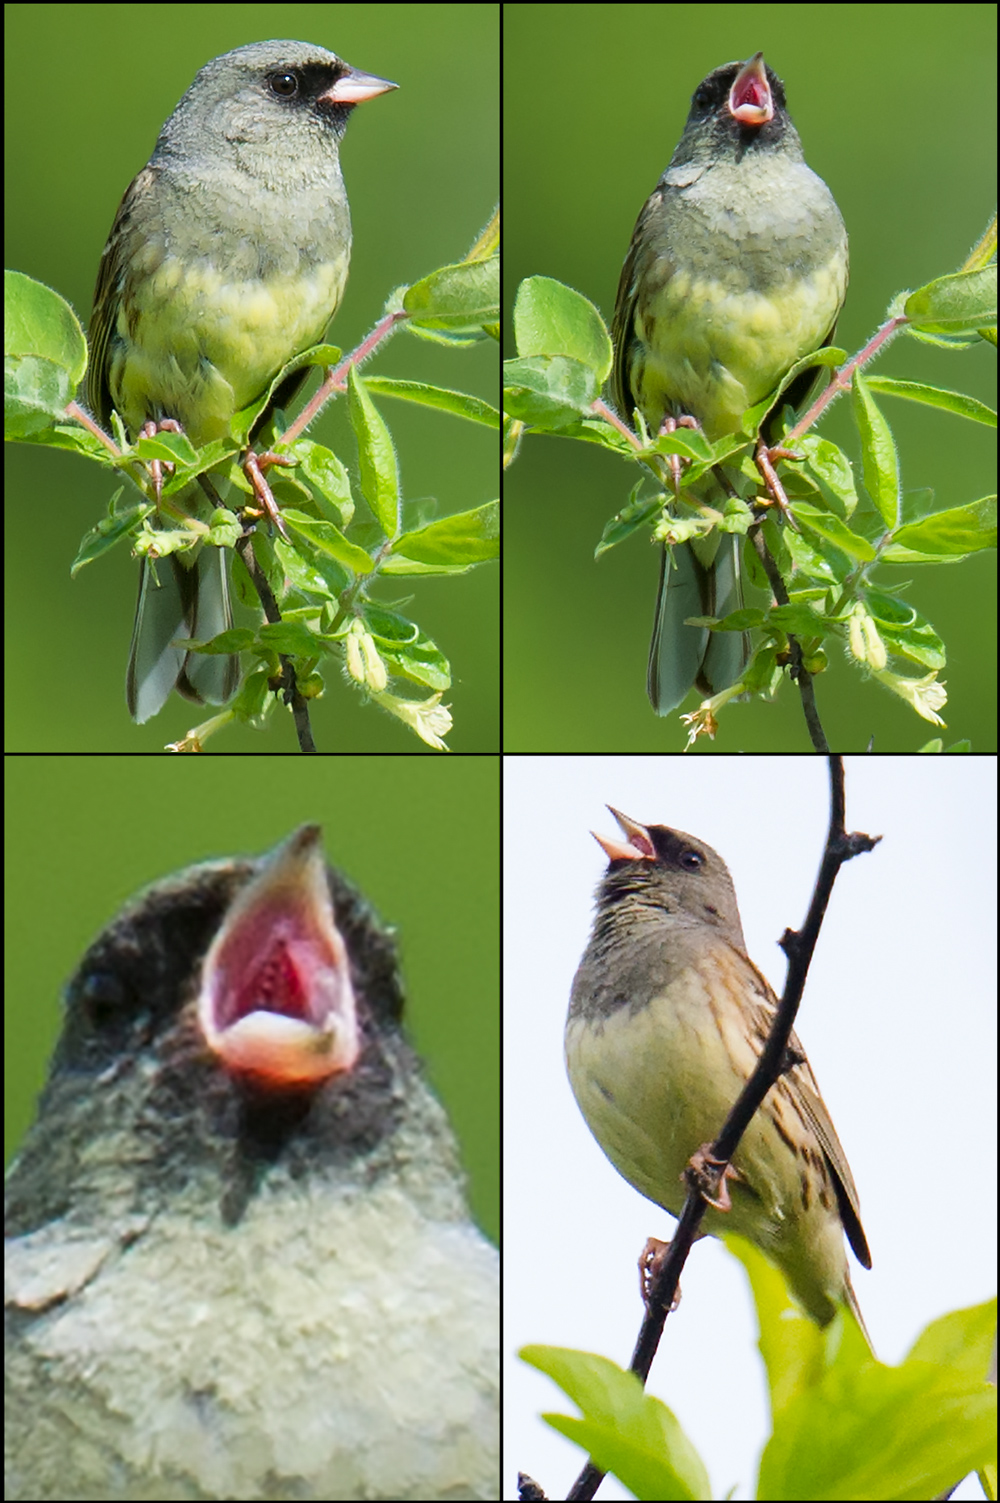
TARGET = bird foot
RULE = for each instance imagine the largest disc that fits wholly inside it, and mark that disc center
(254, 466)
(765, 460)
(651, 1260)
(158, 467)
(708, 1176)
(670, 424)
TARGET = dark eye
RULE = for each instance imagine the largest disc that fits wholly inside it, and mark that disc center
(691, 861)
(285, 85)
(104, 996)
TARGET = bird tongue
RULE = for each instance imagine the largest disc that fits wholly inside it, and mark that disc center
(276, 1000)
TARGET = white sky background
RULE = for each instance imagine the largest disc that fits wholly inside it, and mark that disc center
(898, 1020)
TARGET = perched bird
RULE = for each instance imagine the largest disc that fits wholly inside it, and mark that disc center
(238, 1260)
(227, 257)
(667, 1019)
(737, 268)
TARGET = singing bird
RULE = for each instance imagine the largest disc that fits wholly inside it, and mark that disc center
(238, 1259)
(736, 270)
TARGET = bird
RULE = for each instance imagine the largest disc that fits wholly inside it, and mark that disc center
(667, 1018)
(737, 268)
(238, 1257)
(227, 257)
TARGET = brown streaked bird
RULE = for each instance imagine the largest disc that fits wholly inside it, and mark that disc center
(667, 1019)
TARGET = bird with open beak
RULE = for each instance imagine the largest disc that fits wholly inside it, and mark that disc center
(238, 1259)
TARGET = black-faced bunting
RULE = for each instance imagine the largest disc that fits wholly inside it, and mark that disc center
(227, 257)
(737, 269)
(238, 1257)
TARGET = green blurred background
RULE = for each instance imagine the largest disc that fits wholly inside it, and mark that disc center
(896, 109)
(87, 89)
(419, 838)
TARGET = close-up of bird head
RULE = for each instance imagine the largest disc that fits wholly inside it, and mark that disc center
(239, 1261)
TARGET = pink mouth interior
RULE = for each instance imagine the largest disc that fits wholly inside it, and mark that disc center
(276, 996)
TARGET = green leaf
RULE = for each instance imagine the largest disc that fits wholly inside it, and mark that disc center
(45, 355)
(834, 530)
(458, 403)
(962, 303)
(637, 511)
(464, 297)
(419, 660)
(322, 355)
(962, 530)
(828, 356)
(326, 538)
(551, 319)
(466, 538)
(376, 455)
(403, 568)
(881, 463)
(325, 473)
(115, 528)
(625, 1430)
(291, 637)
(549, 391)
(934, 396)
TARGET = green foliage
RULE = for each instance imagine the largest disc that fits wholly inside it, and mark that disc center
(848, 553)
(323, 573)
(843, 1424)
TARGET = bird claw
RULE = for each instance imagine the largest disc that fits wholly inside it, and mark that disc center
(158, 467)
(766, 459)
(651, 1260)
(708, 1176)
(254, 466)
(669, 425)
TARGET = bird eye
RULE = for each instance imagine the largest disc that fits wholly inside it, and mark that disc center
(285, 85)
(691, 861)
(104, 996)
